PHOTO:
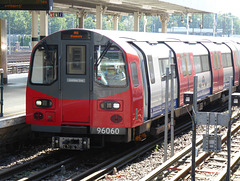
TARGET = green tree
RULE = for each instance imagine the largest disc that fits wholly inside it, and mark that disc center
(20, 22)
(89, 22)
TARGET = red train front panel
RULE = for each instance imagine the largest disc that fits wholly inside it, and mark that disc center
(75, 81)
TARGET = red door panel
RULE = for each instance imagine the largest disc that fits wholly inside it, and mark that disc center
(217, 71)
(186, 73)
(236, 70)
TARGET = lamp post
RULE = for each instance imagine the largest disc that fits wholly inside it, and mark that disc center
(224, 24)
(9, 33)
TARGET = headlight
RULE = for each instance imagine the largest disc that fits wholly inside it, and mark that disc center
(116, 105)
(38, 103)
(43, 103)
(110, 105)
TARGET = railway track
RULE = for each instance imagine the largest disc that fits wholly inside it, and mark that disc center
(95, 171)
(18, 62)
(70, 167)
(105, 169)
(30, 169)
(209, 166)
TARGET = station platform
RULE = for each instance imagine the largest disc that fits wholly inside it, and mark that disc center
(14, 100)
(12, 125)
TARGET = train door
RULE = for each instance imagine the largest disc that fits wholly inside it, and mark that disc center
(217, 71)
(186, 73)
(235, 67)
(75, 81)
(234, 57)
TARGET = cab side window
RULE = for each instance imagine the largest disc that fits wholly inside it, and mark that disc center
(134, 74)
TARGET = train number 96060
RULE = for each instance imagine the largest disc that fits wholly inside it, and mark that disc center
(108, 131)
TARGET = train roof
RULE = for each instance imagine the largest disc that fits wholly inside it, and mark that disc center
(132, 36)
(162, 37)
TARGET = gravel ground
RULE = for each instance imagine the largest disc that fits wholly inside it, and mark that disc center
(151, 160)
(25, 154)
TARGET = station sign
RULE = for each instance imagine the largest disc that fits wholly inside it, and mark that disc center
(56, 14)
(44, 5)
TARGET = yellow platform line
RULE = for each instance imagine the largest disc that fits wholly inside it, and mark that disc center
(13, 114)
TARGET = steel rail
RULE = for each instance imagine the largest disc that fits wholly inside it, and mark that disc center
(7, 173)
(106, 167)
(52, 169)
(152, 175)
(234, 162)
(201, 158)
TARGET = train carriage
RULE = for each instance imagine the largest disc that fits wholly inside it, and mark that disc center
(87, 87)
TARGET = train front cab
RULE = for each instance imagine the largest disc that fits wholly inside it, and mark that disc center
(79, 88)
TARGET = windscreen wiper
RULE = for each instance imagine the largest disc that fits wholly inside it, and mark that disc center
(46, 50)
(103, 54)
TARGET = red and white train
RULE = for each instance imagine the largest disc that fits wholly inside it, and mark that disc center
(87, 87)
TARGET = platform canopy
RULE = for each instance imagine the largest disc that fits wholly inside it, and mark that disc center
(125, 7)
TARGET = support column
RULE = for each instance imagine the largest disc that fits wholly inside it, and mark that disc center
(34, 28)
(81, 16)
(187, 24)
(81, 22)
(43, 24)
(144, 23)
(214, 24)
(3, 49)
(115, 22)
(164, 19)
(136, 21)
(99, 12)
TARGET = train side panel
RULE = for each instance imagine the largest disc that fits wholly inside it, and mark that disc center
(157, 59)
(202, 69)
(234, 57)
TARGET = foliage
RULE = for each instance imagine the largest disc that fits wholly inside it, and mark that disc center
(20, 22)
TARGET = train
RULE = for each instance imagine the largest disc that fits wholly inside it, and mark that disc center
(88, 87)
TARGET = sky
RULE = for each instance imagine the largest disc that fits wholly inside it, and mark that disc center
(217, 6)
(228, 6)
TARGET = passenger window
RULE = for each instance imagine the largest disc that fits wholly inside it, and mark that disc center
(236, 57)
(218, 60)
(111, 70)
(224, 60)
(215, 58)
(163, 64)
(184, 67)
(197, 64)
(134, 74)
(151, 69)
(205, 63)
(76, 60)
(229, 59)
(189, 67)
